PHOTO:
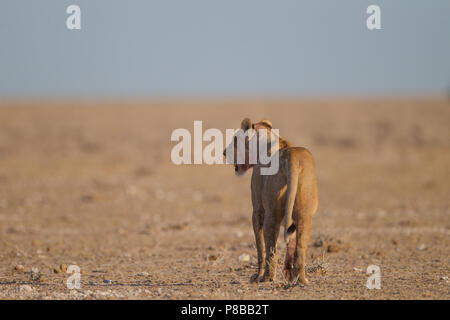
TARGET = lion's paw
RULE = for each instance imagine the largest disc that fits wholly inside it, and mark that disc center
(267, 278)
(255, 278)
(304, 281)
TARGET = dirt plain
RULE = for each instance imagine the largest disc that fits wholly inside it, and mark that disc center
(92, 185)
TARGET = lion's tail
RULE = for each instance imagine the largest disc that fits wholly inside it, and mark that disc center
(292, 173)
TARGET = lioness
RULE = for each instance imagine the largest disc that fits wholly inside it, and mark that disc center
(289, 194)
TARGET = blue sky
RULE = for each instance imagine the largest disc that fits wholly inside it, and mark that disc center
(223, 48)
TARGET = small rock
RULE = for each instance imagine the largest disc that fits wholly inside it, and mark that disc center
(25, 288)
(35, 243)
(244, 257)
(63, 267)
(212, 257)
(318, 243)
(333, 248)
(107, 281)
(378, 253)
(357, 269)
(239, 234)
(426, 294)
(421, 247)
(19, 268)
(143, 274)
(178, 226)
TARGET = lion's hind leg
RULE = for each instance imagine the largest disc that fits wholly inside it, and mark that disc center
(303, 224)
(289, 259)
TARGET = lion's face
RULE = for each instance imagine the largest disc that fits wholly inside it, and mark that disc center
(241, 166)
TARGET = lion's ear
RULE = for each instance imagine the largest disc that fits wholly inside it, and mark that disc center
(246, 124)
(267, 123)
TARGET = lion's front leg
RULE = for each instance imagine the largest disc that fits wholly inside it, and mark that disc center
(258, 220)
(271, 230)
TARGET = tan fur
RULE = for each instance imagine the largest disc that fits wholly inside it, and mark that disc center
(290, 194)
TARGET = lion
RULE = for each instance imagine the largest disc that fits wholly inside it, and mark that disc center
(290, 194)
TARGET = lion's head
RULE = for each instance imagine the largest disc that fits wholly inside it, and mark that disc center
(242, 139)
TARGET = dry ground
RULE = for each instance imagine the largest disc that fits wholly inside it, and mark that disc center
(93, 185)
